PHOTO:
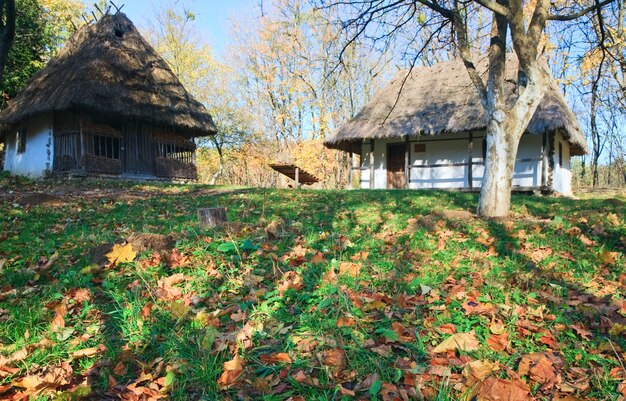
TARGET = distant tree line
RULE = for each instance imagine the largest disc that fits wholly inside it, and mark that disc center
(290, 76)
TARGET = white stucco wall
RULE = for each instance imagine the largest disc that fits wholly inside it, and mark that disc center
(36, 160)
(453, 149)
(562, 175)
(527, 173)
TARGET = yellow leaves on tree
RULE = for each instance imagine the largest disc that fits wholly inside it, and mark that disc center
(121, 254)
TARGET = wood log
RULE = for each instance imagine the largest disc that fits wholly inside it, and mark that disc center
(212, 216)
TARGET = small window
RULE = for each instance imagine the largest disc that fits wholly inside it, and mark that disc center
(560, 154)
(419, 148)
(106, 146)
(21, 140)
(174, 152)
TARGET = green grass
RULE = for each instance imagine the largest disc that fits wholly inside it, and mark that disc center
(548, 269)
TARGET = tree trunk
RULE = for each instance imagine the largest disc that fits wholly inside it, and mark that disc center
(595, 138)
(218, 173)
(220, 168)
(7, 32)
(504, 131)
(212, 217)
(502, 144)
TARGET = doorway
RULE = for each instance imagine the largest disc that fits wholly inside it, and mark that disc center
(396, 177)
(138, 150)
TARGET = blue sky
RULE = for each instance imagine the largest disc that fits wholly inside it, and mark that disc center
(212, 16)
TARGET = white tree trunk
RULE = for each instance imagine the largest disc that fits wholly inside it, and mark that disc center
(502, 144)
(504, 131)
(218, 173)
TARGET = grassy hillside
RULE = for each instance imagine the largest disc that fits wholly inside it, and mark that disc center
(307, 295)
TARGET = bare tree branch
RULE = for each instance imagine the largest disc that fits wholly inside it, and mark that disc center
(578, 14)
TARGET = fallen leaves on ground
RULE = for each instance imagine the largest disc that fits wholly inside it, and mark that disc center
(121, 254)
(444, 307)
(232, 371)
(458, 341)
(496, 389)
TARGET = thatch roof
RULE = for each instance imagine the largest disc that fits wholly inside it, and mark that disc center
(442, 99)
(109, 69)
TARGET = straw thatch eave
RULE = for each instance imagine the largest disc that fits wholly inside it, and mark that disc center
(442, 99)
(109, 69)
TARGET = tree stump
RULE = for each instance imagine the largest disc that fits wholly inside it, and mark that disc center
(212, 216)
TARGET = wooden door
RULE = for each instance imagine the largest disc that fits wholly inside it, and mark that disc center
(138, 150)
(396, 177)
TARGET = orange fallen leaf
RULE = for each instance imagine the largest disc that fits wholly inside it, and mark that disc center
(542, 368)
(232, 371)
(498, 342)
(439, 370)
(586, 240)
(540, 253)
(335, 358)
(350, 268)
(59, 318)
(460, 341)
(345, 322)
(622, 388)
(447, 328)
(544, 372)
(176, 259)
(495, 389)
(476, 371)
(318, 258)
(281, 357)
(81, 295)
(548, 339)
(290, 281)
(361, 255)
(608, 257)
(584, 333)
(617, 373)
(472, 306)
(301, 377)
(404, 334)
(50, 378)
(87, 352)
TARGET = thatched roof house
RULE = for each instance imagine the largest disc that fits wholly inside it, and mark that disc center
(108, 103)
(433, 106)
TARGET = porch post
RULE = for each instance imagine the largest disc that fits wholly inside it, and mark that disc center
(470, 148)
(297, 177)
(82, 142)
(544, 161)
(407, 171)
(351, 168)
(372, 163)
